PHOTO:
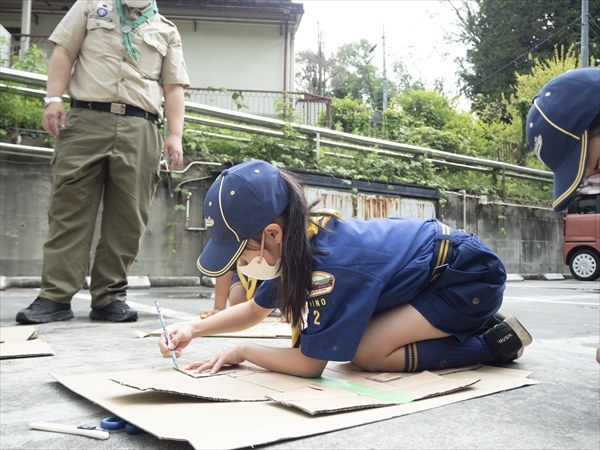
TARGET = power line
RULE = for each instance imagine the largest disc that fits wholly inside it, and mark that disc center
(593, 31)
(593, 21)
(521, 56)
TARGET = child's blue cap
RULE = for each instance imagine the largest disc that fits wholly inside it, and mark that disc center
(241, 202)
(557, 128)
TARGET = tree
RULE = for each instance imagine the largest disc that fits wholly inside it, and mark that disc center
(349, 71)
(500, 34)
(430, 108)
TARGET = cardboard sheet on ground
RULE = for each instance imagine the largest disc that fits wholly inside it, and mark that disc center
(23, 342)
(169, 411)
(271, 327)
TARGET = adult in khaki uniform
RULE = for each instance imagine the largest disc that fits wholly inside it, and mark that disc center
(116, 59)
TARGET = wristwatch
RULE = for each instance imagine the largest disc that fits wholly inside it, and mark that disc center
(48, 100)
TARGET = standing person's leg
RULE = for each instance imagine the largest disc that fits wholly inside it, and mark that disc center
(132, 177)
(79, 170)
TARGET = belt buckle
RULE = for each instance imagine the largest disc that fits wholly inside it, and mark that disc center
(117, 108)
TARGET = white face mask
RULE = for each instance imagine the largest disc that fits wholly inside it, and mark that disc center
(259, 268)
(139, 4)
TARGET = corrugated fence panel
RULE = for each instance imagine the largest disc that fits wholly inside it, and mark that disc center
(414, 207)
(331, 198)
(370, 206)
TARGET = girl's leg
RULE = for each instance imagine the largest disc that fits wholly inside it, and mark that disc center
(382, 345)
(402, 340)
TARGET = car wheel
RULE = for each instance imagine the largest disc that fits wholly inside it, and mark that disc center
(585, 265)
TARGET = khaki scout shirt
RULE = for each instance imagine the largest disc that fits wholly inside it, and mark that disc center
(104, 72)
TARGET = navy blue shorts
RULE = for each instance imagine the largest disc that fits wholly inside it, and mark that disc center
(468, 291)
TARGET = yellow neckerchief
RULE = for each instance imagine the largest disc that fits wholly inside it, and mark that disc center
(249, 283)
(313, 228)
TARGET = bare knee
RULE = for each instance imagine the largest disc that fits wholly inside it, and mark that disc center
(367, 361)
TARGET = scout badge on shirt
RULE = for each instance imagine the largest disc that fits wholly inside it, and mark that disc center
(322, 283)
(103, 8)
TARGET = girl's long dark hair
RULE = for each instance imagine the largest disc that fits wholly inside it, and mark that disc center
(296, 253)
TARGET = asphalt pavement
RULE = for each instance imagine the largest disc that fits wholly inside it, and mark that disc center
(562, 412)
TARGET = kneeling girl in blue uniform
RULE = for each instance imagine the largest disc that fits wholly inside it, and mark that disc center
(397, 294)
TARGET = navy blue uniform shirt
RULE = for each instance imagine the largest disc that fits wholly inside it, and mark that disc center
(374, 265)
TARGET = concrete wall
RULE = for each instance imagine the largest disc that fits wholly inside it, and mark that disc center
(528, 239)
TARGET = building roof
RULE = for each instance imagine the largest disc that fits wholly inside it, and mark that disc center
(242, 10)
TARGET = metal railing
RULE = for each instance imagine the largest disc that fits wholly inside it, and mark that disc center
(322, 137)
(307, 108)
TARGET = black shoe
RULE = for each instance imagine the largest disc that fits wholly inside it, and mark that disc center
(116, 311)
(43, 310)
(507, 340)
(498, 317)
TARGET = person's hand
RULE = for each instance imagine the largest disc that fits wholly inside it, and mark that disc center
(208, 313)
(180, 336)
(53, 117)
(230, 356)
(173, 149)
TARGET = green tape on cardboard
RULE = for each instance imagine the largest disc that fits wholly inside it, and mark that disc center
(388, 396)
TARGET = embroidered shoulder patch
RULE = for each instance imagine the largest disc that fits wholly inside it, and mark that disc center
(322, 283)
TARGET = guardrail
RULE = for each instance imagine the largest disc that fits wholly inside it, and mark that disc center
(249, 123)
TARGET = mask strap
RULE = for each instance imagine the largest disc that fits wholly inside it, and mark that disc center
(262, 247)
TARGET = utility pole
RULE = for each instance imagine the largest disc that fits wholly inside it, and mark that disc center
(25, 27)
(585, 57)
(321, 63)
(385, 89)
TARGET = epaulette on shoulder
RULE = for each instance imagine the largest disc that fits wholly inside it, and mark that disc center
(164, 19)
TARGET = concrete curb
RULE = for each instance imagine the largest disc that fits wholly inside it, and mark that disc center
(135, 282)
(174, 281)
(143, 282)
(514, 277)
(553, 276)
(21, 282)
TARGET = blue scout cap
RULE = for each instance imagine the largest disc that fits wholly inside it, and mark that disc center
(557, 126)
(242, 201)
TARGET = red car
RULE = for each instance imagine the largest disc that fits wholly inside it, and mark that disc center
(581, 232)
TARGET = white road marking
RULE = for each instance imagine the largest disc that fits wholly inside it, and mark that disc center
(180, 315)
(166, 312)
(546, 300)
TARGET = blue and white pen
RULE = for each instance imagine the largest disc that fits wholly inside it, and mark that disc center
(162, 322)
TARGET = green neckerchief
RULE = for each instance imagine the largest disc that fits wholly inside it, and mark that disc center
(127, 27)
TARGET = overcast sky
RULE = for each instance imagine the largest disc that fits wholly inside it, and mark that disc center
(414, 33)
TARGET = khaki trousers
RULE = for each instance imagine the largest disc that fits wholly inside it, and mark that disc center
(105, 157)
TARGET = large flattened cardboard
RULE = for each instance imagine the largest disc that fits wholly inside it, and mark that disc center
(269, 328)
(341, 388)
(177, 417)
(22, 342)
